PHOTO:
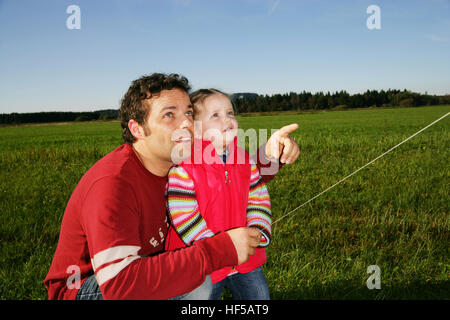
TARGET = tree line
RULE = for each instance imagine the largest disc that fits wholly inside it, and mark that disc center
(252, 102)
(247, 103)
(40, 117)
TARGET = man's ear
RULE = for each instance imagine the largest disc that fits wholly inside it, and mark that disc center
(136, 129)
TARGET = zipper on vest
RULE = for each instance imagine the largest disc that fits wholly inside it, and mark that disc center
(227, 180)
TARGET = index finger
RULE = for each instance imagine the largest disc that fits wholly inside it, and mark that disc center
(284, 132)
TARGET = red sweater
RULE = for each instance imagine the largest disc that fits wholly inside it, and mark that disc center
(114, 226)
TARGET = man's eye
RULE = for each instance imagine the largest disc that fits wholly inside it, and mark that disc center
(189, 113)
(168, 115)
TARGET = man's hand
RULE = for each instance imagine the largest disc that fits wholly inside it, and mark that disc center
(245, 241)
(282, 146)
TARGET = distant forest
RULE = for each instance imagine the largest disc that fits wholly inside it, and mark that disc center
(252, 102)
(58, 116)
(339, 100)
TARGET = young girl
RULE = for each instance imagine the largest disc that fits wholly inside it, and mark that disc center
(222, 192)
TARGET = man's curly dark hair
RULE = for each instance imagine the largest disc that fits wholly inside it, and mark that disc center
(133, 106)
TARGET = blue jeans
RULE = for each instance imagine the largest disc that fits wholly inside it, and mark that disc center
(202, 292)
(91, 291)
(243, 286)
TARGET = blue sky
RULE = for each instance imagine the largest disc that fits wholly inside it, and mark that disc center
(262, 46)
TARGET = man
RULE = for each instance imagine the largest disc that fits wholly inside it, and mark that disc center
(115, 222)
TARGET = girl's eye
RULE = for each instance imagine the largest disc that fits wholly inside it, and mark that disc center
(231, 113)
(189, 113)
(215, 115)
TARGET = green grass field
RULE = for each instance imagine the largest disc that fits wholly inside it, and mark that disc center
(394, 213)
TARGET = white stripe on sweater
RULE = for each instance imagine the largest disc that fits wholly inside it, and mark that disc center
(112, 270)
(126, 255)
(111, 254)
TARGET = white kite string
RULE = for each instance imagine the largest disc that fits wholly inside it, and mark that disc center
(342, 180)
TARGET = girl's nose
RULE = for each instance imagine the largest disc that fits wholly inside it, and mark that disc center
(226, 120)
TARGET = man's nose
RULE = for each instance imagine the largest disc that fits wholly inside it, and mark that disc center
(186, 123)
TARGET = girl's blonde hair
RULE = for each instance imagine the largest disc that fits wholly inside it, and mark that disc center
(198, 98)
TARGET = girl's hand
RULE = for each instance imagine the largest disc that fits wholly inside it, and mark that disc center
(282, 146)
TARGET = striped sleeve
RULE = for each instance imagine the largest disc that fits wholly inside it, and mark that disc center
(183, 208)
(259, 213)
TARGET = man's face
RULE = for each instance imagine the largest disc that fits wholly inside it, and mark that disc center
(169, 125)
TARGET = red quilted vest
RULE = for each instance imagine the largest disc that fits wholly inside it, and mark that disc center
(222, 195)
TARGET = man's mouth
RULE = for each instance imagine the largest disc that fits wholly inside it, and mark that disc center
(183, 140)
(181, 136)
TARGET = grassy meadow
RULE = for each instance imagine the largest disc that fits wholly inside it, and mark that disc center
(393, 214)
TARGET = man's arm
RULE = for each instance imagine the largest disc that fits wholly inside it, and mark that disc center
(111, 224)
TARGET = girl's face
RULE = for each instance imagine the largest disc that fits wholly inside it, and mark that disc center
(218, 122)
